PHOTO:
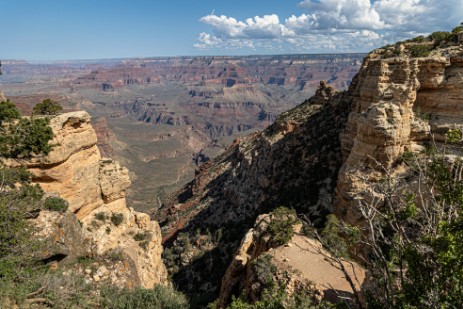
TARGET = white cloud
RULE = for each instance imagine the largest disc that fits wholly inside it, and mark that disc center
(334, 25)
(344, 14)
(265, 27)
(207, 40)
(224, 26)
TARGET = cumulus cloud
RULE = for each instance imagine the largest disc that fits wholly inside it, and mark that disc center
(333, 25)
(266, 27)
(344, 14)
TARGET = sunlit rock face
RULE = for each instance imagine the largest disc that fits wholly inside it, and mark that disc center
(94, 188)
(399, 104)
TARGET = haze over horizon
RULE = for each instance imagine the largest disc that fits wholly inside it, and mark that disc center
(53, 30)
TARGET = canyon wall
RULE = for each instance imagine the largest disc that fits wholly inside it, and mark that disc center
(399, 104)
(321, 157)
(293, 163)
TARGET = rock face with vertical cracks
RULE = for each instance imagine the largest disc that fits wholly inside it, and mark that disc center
(95, 190)
(398, 104)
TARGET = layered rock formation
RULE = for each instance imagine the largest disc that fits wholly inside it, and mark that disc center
(399, 104)
(95, 191)
(288, 70)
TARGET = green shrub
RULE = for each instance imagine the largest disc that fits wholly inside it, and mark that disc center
(418, 39)
(115, 255)
(13, 176)
(331, 235)
(55, 204)
(18, 264)
(8, 111)
(47, 107)
(26, 137)
(67, 291)
(278, 298)
(141, 236)
(419, 51)
(117, 218)
(101, 216)
(264, 270)
(416, 238)
(439, 36)
(454, 136)
(281, 227)
(139, 298)
(85, 260)
(457, 29)
(22, 137)
(15, 208)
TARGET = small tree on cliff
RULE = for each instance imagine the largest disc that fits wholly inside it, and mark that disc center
(19, 201)
(8, 111)
(47, 107)
(22, 137)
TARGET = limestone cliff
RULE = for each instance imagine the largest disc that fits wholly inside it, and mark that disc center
(95, 190)
(399, 104)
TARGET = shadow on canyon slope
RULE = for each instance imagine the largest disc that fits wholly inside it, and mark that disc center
(255, 176)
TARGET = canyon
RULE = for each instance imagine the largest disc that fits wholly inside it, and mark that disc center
(268, 176)
(331, 154)
(162, 117)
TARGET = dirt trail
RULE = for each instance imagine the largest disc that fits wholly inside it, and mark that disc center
(310, 261)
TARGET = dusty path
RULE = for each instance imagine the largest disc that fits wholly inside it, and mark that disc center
(311, 262)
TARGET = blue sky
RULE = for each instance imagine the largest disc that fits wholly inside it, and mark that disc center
(83, 29)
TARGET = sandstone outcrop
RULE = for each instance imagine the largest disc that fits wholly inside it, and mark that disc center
(95, 191)
(399, 104)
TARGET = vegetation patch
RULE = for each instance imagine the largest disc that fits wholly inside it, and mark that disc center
(55, 204)
(417, 51)
(159, 297)
(454, 136)
(117, 218)
(140, 236)
(47, 107)
(416, 237)
(101, 216)
(281, 226)
(264, 270)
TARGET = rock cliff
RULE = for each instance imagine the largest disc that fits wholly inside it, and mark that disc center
(94, 188)
(399, 104)
(317, 158)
